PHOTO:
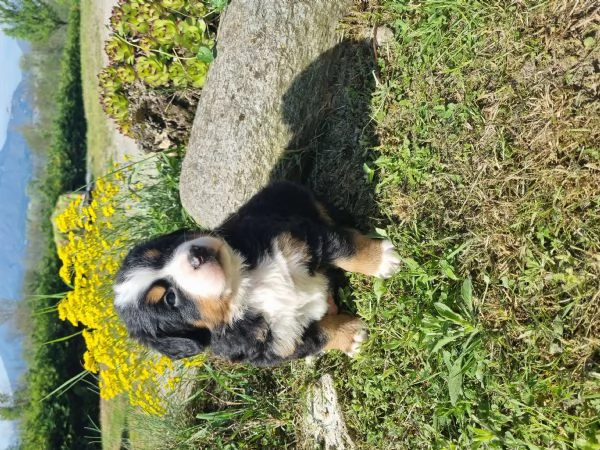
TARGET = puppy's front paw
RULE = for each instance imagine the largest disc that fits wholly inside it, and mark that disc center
(360, 335)
(344, 332)
(390, 260)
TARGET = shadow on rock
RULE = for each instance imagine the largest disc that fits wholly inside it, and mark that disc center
(328, 154)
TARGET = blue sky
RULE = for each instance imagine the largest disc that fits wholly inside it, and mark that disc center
(10, 358)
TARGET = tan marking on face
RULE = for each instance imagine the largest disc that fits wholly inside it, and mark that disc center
(201, 324)
(155, 294)
(340, 331)
(366, 258)
(214, 312)
(153, 253)
(324, 214)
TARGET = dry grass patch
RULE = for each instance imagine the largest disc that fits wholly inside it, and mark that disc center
(513, 157)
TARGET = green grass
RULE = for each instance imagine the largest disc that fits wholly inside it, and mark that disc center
(489, 335)
(113, 416)
(229, 407)
(483, 161)
(99, 141)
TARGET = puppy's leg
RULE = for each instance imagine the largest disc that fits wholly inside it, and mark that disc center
(332, 308)
(343, 332)
(355, 252)
(340, 332)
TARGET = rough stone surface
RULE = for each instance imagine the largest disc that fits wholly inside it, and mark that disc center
(251, 110)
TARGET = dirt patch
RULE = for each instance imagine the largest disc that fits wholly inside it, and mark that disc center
(160, 120)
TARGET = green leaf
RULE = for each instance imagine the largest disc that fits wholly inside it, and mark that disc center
(411, 264)
(67, 384)
(379, 288)
(218, 416)
(448, 314)
(467, 293)
(455, 380)
(218, 5)
(480, 372)
(446, 356)
(205, 55)
(481, 435)
(558, 327)
(589, 42)
(439, 344)
(370, 173)
(61, 339)
(447, 270)
(380, 233)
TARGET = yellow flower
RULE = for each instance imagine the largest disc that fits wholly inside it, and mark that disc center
(91, 255)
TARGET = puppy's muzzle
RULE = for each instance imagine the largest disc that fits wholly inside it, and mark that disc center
(199, 256)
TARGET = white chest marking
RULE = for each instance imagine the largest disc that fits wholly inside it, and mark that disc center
(289, 298)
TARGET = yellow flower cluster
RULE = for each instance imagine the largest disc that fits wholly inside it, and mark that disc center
(91, 251)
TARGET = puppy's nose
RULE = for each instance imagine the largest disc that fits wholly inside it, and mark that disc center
(200, 255)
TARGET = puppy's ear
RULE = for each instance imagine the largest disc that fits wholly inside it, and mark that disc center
(181, 346)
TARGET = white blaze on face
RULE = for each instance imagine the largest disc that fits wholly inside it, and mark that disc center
(211, 280)
(206, 281)
(137, 282)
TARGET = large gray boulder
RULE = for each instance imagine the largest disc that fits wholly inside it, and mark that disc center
(251, 109)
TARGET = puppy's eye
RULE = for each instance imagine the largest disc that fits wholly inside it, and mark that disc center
(170, 298)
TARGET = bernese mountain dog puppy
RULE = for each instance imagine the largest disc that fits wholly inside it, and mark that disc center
(257, 289)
